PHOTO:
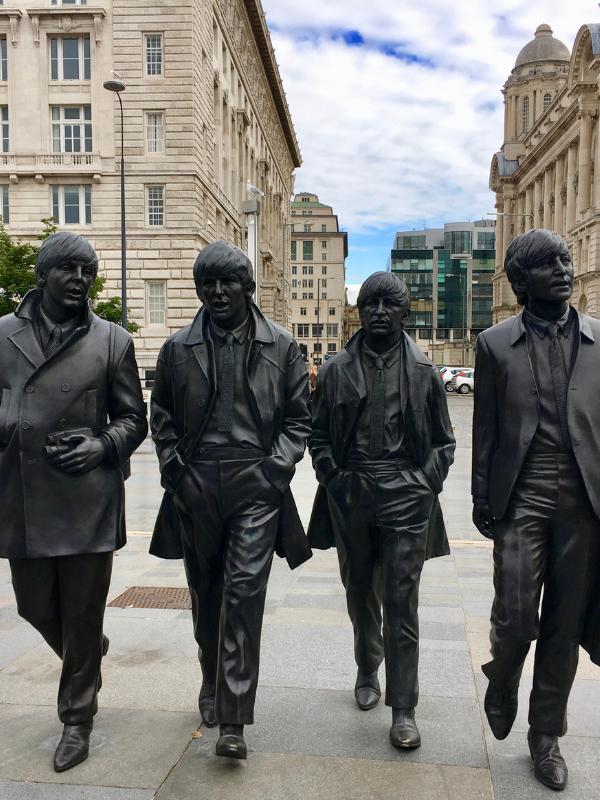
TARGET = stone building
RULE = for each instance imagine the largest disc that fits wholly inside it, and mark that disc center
(318, 295)
(204, 113)
(449, 273)
(547, 173)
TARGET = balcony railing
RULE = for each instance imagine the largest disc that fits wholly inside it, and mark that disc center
(50, 163)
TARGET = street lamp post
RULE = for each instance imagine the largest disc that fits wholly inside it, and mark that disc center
(117, 87)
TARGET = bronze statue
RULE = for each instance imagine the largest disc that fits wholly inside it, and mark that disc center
(229, 419)
(536, 449)
(381, 446)
(71, 414)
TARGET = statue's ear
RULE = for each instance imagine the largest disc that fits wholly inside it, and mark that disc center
(405, 316)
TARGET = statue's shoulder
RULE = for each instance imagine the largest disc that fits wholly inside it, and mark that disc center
(502, 331)
(10, 323)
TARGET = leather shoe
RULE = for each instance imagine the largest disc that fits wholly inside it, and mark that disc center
(404, 732)
(74, 746)
(549, 766)
(231, 742)
(105, 646)
(206, 704)
(501, 710)
(367, 691)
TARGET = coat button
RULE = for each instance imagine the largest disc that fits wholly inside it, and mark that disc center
(65, 387)
(25, 425)
(29, 389)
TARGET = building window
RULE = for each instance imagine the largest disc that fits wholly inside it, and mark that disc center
(68, 2)
(3, 59)
(547, 101)
(525, 114)
(307, 228)
(323, 256)
(70, 58)
(317, 329)
(331, 347)
(294, 270)
(307, 270)
(302, 311)
(5, 206)
(305, 295)
(323, 295)
(294, 283)
(155, 135)
(307, 251)
(332, 329)
(72, 205)
(293, 253)
(324, 245)
(154, 54)
(71, 129)
(156, 205)
(157, 302)
(294, 295)
(4, 123)
(323, 228)
(317, 347)
(323, 270)
(323, 282)
(332, 312)
(303, 331)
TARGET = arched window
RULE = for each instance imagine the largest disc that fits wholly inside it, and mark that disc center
(525, 115)
(547, 101)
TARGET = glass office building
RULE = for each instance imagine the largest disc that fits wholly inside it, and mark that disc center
(449, 273)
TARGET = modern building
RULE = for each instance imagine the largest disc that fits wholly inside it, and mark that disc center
(204, 113)
(547, 172)
(449, 273)
(318, 295)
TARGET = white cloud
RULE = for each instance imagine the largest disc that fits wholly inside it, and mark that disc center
(388, 142)
(352, 290)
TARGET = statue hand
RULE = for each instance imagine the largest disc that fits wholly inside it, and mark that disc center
(76, 453)
(483, 519)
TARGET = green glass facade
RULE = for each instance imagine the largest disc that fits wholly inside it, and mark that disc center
(483, 272)
(452, 295)
(415, 267)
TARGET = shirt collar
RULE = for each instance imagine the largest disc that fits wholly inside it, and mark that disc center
(389, 357)
(48, 325)
(240, 334)
(540, 326)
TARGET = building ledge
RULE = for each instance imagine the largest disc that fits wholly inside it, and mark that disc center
(13, 17)
(67, 19)
(50, 164)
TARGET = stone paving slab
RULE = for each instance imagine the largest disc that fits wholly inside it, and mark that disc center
(269, 776)
(19, 790)
(128, 748)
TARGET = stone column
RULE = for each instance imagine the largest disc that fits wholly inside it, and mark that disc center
(509, 220)
(499, 233)
(570, 179)
(528, 207)
(585, 165)
(547, 220)
(597, 169)
(537, 201)
(558, 202)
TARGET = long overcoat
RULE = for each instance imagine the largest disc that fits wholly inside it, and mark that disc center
(184, 397)
(506, 417)
(337, 404)
(90, 382)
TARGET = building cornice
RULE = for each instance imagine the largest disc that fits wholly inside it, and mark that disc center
(13, 15)
(67, 18)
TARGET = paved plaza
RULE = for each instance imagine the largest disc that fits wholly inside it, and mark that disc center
(309, 740)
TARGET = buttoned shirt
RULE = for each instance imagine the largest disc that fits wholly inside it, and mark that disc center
(393, 430)
(44, 327)
(548, 436)
(244, 431)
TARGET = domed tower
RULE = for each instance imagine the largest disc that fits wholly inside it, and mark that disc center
(540, 71)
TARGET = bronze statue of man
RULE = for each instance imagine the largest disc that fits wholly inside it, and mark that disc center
(71, 414)
(536, 450)
(381, 446)
(229, 419)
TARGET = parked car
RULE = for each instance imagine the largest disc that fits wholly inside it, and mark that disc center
(463, 381)
(448, 374)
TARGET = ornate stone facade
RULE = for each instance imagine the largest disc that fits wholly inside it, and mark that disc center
(204, 113)
(547, 173)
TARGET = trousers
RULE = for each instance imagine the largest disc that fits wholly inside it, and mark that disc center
(64, 598)
(229, 513)
(550, 539)
(380, 513)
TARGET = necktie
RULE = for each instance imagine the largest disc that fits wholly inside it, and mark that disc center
(377, 411)
(227, 385)
(559, 381)
(55, 341)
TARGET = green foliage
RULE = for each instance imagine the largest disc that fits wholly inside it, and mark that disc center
(17, 276)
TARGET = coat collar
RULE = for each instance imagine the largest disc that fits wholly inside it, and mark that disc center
(199, 332)
(518, 327)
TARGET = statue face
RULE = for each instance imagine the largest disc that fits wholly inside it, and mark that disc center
(550, 281)
(68, 285)
(383, 316)
(225, 299)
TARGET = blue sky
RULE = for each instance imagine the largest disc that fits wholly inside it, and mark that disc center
(397, 105)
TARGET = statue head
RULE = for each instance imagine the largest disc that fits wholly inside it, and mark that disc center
(65, 269)
(539, 268)
(384, 307)
(224, 283)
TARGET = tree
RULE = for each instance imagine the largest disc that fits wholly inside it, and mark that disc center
(17, 276)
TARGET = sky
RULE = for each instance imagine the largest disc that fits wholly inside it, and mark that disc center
(397, 105)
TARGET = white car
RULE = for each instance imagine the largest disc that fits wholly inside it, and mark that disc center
(463, 381)
(447, 374)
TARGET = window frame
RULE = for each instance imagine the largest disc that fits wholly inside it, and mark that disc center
(81, 122)
(146, 35)
(149, 311)
(149, 188)
(57, 199)
(83, 59)
(156, 113)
